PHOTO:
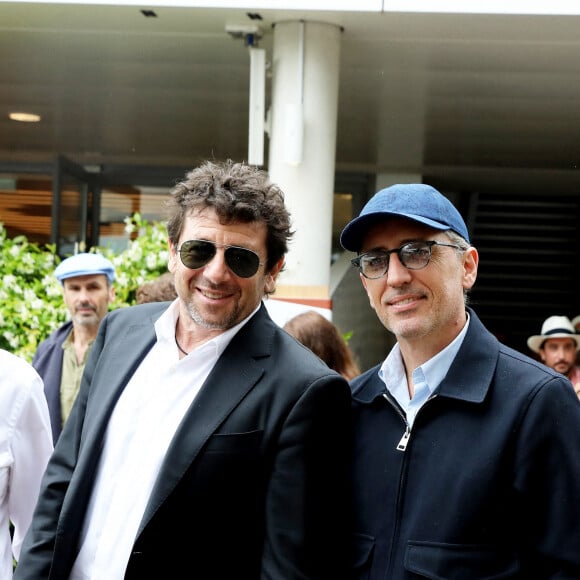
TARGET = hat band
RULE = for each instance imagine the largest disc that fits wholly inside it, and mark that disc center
(558, 331)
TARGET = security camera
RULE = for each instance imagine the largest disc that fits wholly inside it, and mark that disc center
(250, 33)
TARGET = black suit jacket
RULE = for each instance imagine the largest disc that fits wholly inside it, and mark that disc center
(254, 483)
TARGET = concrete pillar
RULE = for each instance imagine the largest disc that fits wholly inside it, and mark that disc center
(305, 74)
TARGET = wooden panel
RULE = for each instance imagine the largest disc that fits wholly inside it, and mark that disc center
(25, 212)
(28, 211)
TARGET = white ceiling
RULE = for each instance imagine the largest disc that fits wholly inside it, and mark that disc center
(474, 101)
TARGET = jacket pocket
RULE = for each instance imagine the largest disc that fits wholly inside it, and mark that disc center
(235, 442)
(460, 561)
(363, 548)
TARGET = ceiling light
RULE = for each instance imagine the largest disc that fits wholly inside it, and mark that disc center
(25, 117)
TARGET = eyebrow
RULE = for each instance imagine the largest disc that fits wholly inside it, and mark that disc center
(402, 243)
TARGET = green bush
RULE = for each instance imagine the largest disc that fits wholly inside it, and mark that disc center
(31, 297)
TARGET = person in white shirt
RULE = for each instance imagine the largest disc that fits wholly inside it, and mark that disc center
(205, 442)
(25, 447)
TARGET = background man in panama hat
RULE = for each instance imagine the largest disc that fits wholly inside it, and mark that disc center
(558, 345)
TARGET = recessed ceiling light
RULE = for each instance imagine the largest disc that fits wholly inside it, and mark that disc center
(25, 117)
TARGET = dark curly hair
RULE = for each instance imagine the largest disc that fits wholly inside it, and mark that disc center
(238, 193)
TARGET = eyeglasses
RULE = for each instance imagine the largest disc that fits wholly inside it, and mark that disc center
(197, 253)
(413, 255)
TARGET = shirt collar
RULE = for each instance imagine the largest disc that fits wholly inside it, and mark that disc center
(432, 372)
(166, 323)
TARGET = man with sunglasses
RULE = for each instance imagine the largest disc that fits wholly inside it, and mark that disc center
(205, 442)
(466, 452)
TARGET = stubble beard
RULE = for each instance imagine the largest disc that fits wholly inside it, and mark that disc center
(227, 321)
(87, 321)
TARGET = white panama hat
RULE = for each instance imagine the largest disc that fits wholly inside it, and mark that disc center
(554, 327)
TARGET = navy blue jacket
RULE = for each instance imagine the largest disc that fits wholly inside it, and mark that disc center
(48, 363)
(489, 483)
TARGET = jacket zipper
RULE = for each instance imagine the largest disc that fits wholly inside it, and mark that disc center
(401, 446)
(404, 441)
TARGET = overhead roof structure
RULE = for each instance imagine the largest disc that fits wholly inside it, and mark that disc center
(474, 100)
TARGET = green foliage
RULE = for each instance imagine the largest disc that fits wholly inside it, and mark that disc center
(31, 297)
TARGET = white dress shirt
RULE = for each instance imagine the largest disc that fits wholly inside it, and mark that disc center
(25, 447)
(140, 430)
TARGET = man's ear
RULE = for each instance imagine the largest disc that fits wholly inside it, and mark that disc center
(364, 283)
(470, 263)
(272, 276)
(172, 262)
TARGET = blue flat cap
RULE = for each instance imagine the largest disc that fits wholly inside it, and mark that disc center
(85, 265)
(415, 201)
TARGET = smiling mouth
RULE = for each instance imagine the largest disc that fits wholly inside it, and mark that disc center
(212, 295)
(402, 302)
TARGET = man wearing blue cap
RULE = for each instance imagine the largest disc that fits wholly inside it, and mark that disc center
(87, 285)
(466, 454)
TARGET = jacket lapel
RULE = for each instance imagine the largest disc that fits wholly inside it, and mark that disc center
(234, 375)
(479, 347)
(472, 382)
(141, 337)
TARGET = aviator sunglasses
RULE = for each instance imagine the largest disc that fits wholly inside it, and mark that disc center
(197, 253)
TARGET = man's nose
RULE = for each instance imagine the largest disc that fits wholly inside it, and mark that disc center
(397, 274)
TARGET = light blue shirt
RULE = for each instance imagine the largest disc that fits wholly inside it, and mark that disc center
(426, 378)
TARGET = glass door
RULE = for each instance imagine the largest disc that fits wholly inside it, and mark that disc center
(74, 199)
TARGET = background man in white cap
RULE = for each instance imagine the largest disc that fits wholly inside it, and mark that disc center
(87, 285)
(558, 346)
(466, 458)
